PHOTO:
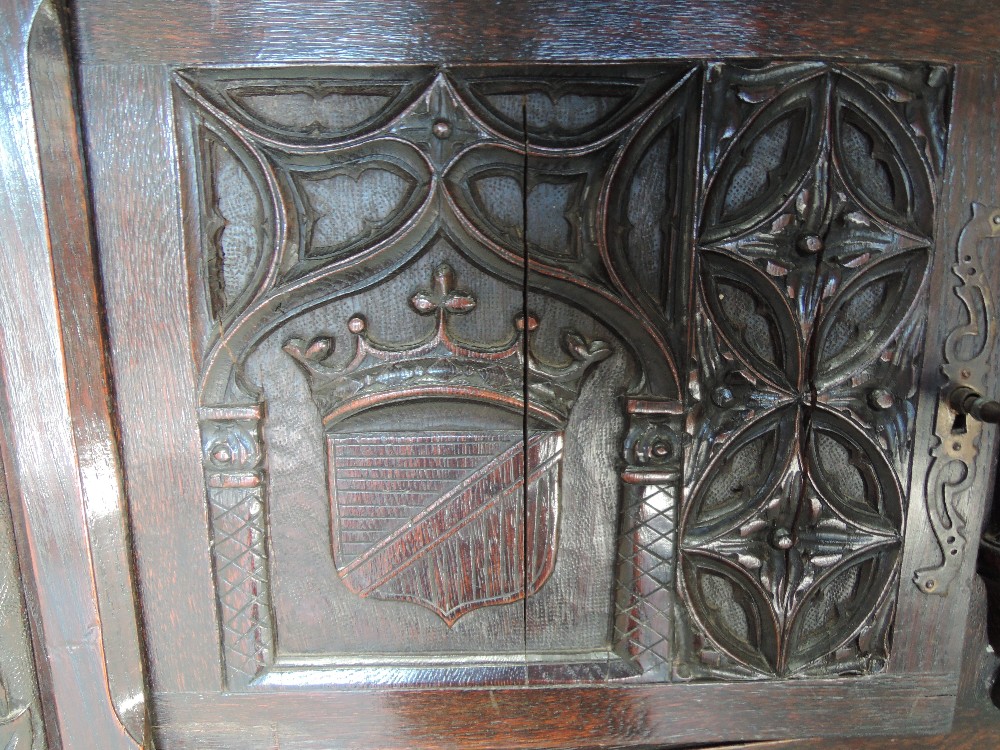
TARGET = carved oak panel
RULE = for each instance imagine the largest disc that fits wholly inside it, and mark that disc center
(814, 246)
(581, 372)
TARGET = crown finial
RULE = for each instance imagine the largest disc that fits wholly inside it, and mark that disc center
(443, 297)
(441, 366)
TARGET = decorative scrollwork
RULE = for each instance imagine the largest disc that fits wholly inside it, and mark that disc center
(443, 365)
(769, 497)
(968, 352)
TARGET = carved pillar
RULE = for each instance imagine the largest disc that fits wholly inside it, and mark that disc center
(653, 453)
(234, 474)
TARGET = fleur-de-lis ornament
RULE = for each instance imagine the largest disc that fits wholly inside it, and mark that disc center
(443, 297)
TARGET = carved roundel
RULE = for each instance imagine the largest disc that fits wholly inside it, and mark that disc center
(790, 540)
(813, 250)
(784, 211)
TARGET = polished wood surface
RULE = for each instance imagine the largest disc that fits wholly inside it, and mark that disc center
(119, 31)
(977, 718)
(361, 393)
(54, 491)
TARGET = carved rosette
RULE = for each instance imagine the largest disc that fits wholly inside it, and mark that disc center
(809, 244)
(814, 246)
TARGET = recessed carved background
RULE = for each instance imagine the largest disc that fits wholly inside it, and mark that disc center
(814, 246)
(739, 253)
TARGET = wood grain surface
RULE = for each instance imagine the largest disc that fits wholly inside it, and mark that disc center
(977, 719)
(547, 718)
(138, 230)
(83, 432)
(118, 31)
(46, 475)
(21, 717)
(972, 176)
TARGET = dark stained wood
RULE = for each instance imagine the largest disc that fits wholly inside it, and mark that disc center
(89, 397)
(540, 266)
(50, 485)
(970, 178)
(117, 31)
(806, 588)
(542, 718)
(977, 719)
(136, 206)
(808, 321)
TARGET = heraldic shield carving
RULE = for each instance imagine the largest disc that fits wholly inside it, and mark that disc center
(449, 520)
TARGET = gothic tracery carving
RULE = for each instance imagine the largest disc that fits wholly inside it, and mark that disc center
(768, 497)
(814, 245)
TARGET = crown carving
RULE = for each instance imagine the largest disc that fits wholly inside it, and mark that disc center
(444, 366)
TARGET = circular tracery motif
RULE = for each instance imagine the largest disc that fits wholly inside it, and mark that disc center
(802, 533)
(814, 245)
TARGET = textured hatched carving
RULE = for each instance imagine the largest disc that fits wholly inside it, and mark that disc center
(442, 519)
(563, 106)
(349, 200)
(455, 516)
(646, 546)
(235, 221)
(438, 157)
(814, 245)
(356, 173)
(805, 543)
(767, 498)
(233, 458)
(294, 105)
(352, 203)
(968, 351)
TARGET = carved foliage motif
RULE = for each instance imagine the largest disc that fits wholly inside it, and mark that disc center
(313, 184)
(767, 496)
(814, 245)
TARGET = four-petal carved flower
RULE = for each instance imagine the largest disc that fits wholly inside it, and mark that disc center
(814, 246)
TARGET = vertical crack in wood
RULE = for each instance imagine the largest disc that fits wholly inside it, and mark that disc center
(524, 376)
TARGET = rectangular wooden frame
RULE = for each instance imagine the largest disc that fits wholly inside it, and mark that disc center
(64, 464)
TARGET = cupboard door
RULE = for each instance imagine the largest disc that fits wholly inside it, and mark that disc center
(584, 402)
